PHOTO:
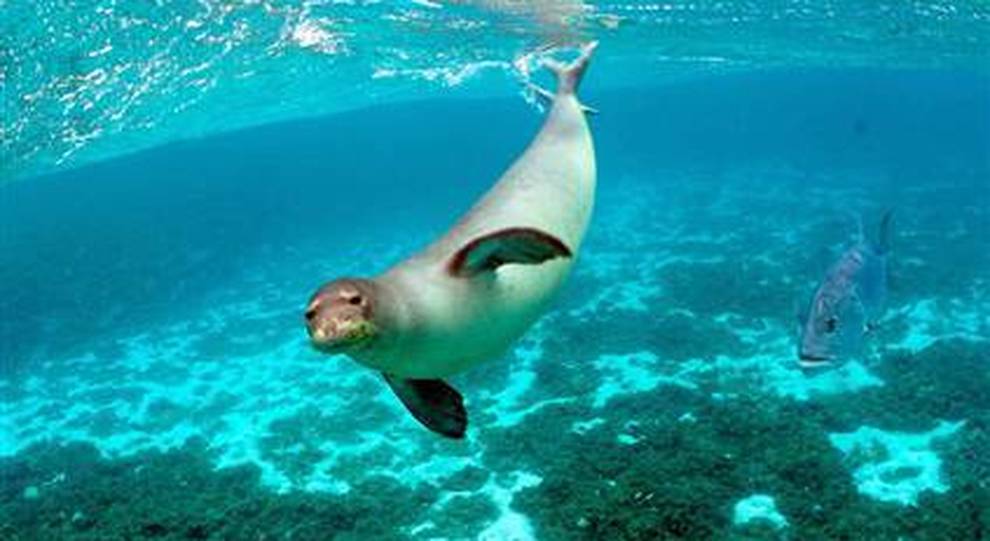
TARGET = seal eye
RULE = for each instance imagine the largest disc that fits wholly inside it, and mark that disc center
(310, 314)
(831, 324)
(355, 300)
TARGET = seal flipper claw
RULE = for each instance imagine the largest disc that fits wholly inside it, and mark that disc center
(512, 245)
(433, 402)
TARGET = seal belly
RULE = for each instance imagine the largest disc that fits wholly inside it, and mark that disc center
(550, 187)
(455, 323)
(445, 333)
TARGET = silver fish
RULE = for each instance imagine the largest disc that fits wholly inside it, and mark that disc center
(848, 303)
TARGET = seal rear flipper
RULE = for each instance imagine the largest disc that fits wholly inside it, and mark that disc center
(546, 98)
(569, 75)
(488, 252)
(433, 402)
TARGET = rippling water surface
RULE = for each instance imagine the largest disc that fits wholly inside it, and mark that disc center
(179, 176)
(91, 79)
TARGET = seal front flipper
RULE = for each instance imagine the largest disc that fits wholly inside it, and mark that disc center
(512, 245)
(433, 402)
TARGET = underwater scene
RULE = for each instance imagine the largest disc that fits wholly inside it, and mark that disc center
(731, 282)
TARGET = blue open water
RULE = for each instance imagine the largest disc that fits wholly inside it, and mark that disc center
(155, 375)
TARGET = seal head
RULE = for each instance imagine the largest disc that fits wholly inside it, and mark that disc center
(340, 315)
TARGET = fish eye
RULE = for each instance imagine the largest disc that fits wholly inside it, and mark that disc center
(831, 324)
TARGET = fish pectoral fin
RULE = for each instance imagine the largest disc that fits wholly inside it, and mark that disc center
(433, 402)
(523, 245)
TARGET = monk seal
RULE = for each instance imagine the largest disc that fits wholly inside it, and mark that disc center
(469, 295)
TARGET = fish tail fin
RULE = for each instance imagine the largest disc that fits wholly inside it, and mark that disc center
(569, 75)
(885, 233)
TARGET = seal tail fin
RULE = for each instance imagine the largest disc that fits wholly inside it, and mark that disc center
(569, 75)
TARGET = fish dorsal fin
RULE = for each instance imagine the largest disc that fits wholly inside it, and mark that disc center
(433, 402)
(885, 233)
(522, 245)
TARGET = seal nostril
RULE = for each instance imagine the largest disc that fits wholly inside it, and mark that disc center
(310, 314)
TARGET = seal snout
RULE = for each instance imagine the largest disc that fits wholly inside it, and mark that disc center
(339, 316)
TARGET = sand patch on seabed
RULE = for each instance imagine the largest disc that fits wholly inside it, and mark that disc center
(929, 322)
(510, 525)
(159, 392)
(636, 373)
(758, 508)
(896, 466)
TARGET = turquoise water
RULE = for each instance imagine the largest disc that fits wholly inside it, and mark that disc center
(178, 179)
